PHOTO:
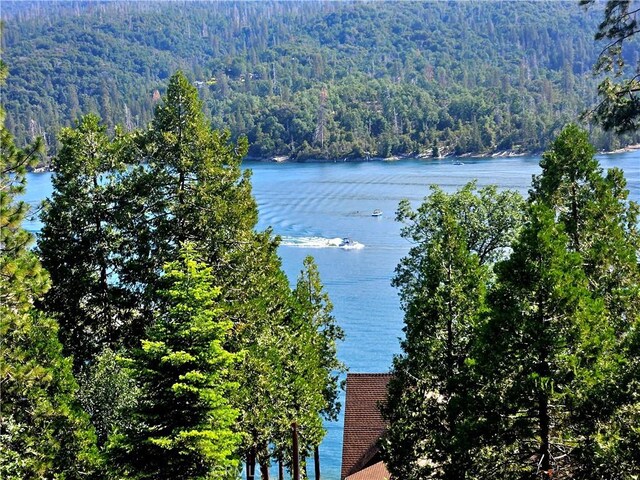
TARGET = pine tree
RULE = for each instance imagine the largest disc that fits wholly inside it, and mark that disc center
(21, 273)
(184, 183)
(79, 244)
(183, 424)
(619, 107)
(443, 281)
(313, 370)
(316, 313)
(193, 189)
(43, 433)
(559, 353)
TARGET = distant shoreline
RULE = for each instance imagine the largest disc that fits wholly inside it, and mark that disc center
(419, 156)
(628, 148)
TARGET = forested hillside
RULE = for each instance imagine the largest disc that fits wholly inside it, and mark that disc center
(312, 79)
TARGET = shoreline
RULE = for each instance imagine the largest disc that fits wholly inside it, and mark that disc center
(423, 156)
(628, 148)
(394, 158)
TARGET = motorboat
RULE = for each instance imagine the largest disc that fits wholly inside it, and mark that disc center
(346, 242)
(458, 162)
(377, 213)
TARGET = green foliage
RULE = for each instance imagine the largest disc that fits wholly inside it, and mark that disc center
(531, 372)
(182, 426)
(43, 432)
(122, 207)
(561, 366)
(443, 281)
(598, 217)
(21, 275)
(602, 225)
(619, 107)
(540, 307)
(80, 242)
(192, 189)
(107, 393)
(313, 79)
(313, 370)
(315, 309)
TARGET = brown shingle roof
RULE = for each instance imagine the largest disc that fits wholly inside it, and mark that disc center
(363, 423)
(377, 471)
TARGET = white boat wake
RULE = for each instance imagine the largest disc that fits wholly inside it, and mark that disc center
(320, 242)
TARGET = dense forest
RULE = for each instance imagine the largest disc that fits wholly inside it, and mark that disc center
(313, 79)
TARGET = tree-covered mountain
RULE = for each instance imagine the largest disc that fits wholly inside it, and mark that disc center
(312, 79)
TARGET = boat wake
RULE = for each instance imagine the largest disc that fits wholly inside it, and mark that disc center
(320, 242)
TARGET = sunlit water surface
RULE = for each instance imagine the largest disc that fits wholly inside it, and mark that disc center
(313, 206)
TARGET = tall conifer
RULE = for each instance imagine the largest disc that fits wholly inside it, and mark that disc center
(602, 227)
(43, 434)
(182, 426)
(443, 281)
(79, 244)
(531, 350)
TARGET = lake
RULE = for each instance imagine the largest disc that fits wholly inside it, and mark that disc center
(312, 205)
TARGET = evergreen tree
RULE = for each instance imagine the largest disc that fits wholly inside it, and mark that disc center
(602, 226)
(316, 314)
(532, 345)
(619, 107)
(601, 223)
(79, 244)
(21, 273)
(313, 369)
(443, 281)
(182, 426)
(193, 190)
(559, 353)
(43, 433)
(120, 225)
(107, 392)
(264, 329)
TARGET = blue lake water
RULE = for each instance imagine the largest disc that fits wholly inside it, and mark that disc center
(311, 204)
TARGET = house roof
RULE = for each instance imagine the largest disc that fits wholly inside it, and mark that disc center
(377, 471)
(363, 424)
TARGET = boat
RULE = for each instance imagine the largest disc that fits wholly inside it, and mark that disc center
(346, 242)
(458, 162)
(377, 213)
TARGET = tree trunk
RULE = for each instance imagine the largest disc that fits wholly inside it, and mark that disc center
(295, 453)
(316, 461)
(251, 464)
(264, 470)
